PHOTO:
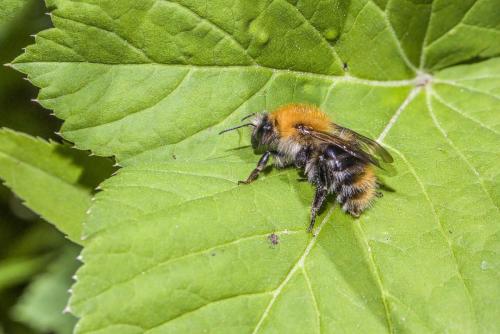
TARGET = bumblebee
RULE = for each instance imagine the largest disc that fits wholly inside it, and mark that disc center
(336, 160)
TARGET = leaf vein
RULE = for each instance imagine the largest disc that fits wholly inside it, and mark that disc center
(452, 28)
(393, 34)
(452, 145)
(463, 114)
(472, 90)
(392, 121)
(480, 28)
(142, 109)
(215, 27)
(206, 305)
(313, 298)
(426, 37)
(298, 264)
(61, 45)
(327, 77)
(167, 208)
(111, 32)
(378, 278)
(182, 173)
(317, 32)
(437, 219)
(168, 261)
(246, 100)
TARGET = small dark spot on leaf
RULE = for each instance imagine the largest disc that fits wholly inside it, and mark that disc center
(213, 254)
(273, 239)
(174, 156)
(345, 67)
(450, 231)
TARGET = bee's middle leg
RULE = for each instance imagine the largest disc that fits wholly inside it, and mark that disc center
(319, 198)
(260, 166)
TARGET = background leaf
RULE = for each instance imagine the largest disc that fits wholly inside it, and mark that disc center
(175, 245)
(43, 303)
(16, 110)
(50, 179)
(26, 251)
(10, 8)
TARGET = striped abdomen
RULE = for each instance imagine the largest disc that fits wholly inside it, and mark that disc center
(352, 181)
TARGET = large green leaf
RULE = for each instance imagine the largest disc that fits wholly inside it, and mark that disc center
(176, 246)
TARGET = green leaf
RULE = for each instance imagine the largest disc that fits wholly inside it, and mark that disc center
(15, 271)
(41, 305)
(50, 178)
(10, 8)
(176, 246)
(25, 254)
(16, 110)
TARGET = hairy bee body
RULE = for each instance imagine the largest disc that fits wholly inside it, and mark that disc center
(351, 180)
(336, 160)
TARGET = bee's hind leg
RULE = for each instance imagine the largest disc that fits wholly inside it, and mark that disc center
(260, 166)
(319, 198)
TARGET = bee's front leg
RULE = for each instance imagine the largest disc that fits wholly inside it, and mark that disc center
(319, 198)
(260, 166)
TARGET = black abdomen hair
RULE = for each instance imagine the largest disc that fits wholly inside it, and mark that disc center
(349, 178)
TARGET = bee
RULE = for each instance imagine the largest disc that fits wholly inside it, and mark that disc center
(337, 161)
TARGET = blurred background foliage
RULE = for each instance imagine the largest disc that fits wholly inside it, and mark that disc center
(36, 261)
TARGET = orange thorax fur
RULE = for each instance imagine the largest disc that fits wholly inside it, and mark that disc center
(287, 118)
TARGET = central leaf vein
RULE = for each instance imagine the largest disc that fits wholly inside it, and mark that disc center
(298, 265)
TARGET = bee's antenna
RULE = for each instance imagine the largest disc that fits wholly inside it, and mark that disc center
(248, 116)
(237, 127)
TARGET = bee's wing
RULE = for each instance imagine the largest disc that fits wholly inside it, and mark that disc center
(349, 147)
(368, 144)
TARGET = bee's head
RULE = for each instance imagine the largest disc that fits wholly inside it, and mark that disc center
(264, 132)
